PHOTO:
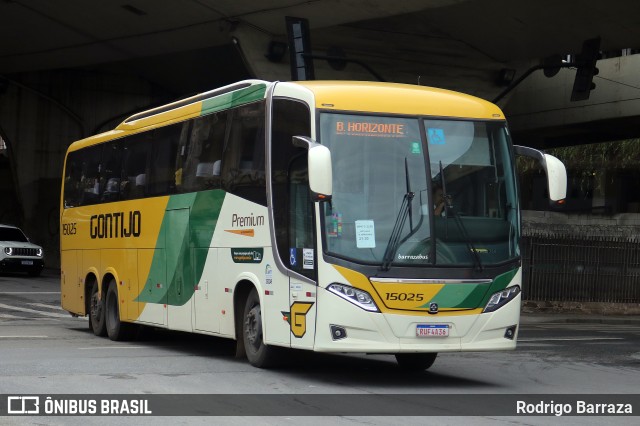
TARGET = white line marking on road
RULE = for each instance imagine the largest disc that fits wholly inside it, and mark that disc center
(33, 311)
(9, 316)
(24, 337)
(568, 339)
(29, 292)
(111, 347)
(44, 305)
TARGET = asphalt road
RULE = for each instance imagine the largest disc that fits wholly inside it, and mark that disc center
(45, 351)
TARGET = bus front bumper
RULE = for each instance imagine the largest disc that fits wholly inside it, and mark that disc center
(373, 332)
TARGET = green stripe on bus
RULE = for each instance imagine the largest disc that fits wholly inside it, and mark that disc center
(470, 296)
(499, 283)
(185, 235)
(461, 296)
(234, 99)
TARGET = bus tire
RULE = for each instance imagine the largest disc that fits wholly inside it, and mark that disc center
(415, 361)
(96, 312)
(258, 353)
(116, 329)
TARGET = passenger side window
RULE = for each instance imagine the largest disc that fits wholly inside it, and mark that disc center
(111, 177)
(199, 162)
(162, 178)
(134, 167)
(222, 150)
(243, 159)
(73, 174)
(90, 179)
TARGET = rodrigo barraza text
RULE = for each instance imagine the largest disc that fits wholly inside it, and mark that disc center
(577, 408)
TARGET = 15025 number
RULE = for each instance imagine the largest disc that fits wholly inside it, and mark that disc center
(69, 228)
(408, 297)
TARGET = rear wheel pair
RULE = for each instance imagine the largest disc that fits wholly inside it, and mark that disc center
(104, 314)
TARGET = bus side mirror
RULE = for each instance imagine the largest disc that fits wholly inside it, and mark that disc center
(320, 175)
(554, 169)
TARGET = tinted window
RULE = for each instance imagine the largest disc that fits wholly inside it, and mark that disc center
(12, 234)
(135, 153)
(161, 179)
(292, 206)
(72, 179)
(111, 176)
(243, 158)
(221, 150)
(199, 162)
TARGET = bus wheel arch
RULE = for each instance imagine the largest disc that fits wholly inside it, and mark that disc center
(95, 301)
(249, 328)
(240, 295)
(117, 330)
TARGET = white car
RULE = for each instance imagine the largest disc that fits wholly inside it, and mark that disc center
(17, 253)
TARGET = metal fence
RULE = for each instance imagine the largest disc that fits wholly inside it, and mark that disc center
(581, 268)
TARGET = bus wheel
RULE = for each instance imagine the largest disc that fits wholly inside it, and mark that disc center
(96, 312)
(116, 329)
(415, 362)
(258, 353)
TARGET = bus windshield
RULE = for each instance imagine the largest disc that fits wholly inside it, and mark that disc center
(419, 191)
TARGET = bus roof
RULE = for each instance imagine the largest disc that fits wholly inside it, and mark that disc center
(399, 99)
(362, 96)
(201, 104)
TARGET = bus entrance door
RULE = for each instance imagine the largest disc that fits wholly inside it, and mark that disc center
(181, 285)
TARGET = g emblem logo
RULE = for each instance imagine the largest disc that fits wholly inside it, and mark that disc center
(297, 317)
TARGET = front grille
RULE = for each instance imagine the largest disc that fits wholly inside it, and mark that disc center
(25, 252)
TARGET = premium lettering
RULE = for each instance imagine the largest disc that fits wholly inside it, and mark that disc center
(116, 225)
(240, 221)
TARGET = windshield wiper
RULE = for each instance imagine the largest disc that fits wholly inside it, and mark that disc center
(405, 210)
(448, 206)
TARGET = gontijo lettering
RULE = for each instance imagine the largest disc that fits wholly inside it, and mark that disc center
(116, 225)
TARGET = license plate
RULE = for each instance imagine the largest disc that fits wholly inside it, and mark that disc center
(432, 330)
(27, 262)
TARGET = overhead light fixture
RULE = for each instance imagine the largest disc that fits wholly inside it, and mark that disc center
(506, 76)
(276, 51)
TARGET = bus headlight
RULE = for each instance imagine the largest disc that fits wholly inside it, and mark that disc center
(501, 298)
(8, 251)
(354, 295)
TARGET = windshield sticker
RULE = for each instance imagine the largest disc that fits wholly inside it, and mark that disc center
(335, 226)
(435, 136)
(415, 148)
(365, 234)
(293, 256)
(358, 128)
(307, 258)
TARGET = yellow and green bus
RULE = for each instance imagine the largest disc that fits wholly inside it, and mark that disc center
(330, 216)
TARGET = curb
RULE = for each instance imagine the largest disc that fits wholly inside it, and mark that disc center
(578, 318)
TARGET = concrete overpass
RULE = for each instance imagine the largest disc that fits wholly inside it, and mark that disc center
(542, 115)
(70, 69)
